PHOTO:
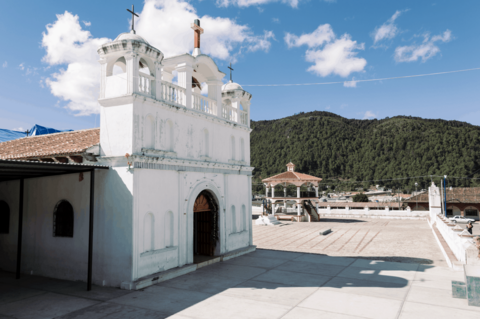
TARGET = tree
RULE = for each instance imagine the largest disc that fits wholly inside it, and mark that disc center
(361, 197)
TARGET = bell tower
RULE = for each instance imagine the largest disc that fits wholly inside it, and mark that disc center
(130, 69)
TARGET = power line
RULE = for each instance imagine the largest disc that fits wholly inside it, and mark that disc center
(370, 80)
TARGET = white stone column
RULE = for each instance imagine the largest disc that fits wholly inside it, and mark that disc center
(299, 209)
(185, 81)
(273, 191)
(132, 60)
(298, 191)
(266, 191)
(316, 191)
(316, 206)
(247, 105)
(157, 88)
(215, 93)
(284, 192)
(167, 76)
(103, 77)
(273, 209)
(285, 205)
(235, 108)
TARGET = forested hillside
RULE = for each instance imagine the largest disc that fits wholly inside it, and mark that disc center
(337, 149)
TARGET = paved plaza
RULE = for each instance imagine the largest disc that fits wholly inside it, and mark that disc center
(343, 277)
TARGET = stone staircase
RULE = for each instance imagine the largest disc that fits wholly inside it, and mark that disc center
(311, 210)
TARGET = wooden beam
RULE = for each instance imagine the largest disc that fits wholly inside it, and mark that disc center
(61, 159)
(76, 159)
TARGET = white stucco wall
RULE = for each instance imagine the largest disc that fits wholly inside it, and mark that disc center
(160, 192)
(63, 257)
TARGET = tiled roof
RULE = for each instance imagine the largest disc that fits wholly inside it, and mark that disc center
(359, 204)
(294, 176)
(57, 144)
(454, 195)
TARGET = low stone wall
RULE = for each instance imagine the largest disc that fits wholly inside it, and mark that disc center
(378, 213)
(452, 234)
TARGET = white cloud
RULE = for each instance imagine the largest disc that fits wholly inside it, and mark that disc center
(369, 115)
(5, 64)
(276, 20)
(329, 54)
(321, 35)
(350, 84)
(248, 3)
(19, 129)
(327, 107)
(22, 66)
(87, 23)
(424, 51)
(67, 43)
(388, 30)
(165, 24)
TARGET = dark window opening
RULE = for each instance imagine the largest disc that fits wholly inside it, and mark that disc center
(4, 218)
(471, 212)
(63, 219)
(449, 212)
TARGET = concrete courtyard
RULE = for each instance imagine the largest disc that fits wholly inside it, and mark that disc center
(363, 269)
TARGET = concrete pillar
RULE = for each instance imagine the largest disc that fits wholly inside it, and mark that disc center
(266, 191)
(273, 209)
(157, 88)
(103, 77)
(185, 72)
(273, 191)
(316, 191)
(299, 209)
(285, 204)
(462, 212)
(298, 191)
(284, 192)
(316, 206)
(215, 93)
(132, 60)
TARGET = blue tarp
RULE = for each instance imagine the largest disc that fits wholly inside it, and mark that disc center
(8, 135)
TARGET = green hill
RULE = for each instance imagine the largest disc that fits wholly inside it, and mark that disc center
(337, 149)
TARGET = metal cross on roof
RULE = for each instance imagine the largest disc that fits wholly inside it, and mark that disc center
(27, 132)
(133, 16)
(230, 67)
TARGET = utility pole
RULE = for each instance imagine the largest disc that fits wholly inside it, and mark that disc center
(445, 193)
(416, 195)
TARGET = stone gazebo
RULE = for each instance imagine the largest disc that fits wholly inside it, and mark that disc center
(305, 201)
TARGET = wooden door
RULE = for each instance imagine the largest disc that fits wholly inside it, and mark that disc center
(202, 226)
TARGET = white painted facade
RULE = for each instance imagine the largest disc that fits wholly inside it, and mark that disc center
(165, 143)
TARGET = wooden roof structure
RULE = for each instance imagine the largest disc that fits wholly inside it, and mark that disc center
(291, 177)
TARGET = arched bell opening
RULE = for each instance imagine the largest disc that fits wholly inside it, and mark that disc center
(205, 225)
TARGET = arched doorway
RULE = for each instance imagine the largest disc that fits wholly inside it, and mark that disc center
(205, 225)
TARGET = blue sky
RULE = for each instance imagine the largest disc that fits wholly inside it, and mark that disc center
(48, 67)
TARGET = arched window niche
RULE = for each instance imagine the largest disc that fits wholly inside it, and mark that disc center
(4, 217)
(232, 146)
(149, 132)
(243, 223)
(169, 136)
(234, 220)
(169, 230)
(206, 143)
(242, 150)
(148, 232)
(63, 219)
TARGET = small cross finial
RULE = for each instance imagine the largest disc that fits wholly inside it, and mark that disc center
(230, 67)
(27, 132)
(133, 17)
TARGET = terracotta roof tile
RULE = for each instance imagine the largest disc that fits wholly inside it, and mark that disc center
(454, 195)
(57, 144)
(294, 176)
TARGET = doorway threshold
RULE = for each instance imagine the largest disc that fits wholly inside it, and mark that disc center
(202, 261)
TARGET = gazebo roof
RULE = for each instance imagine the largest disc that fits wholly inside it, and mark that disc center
(291, 177)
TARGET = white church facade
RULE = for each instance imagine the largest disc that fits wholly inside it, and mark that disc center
(179, 179)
